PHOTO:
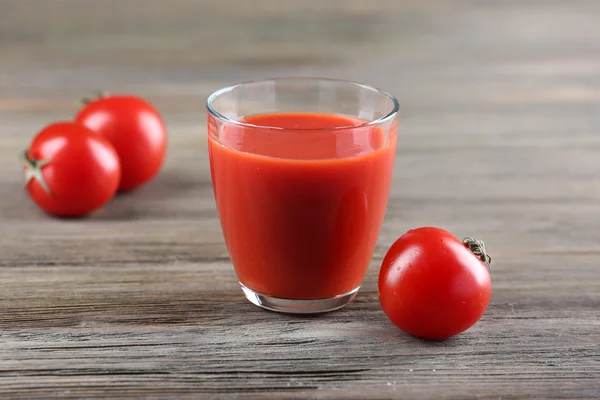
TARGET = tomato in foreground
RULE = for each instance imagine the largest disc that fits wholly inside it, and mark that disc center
(136, 131)
(432, 285)
(70, 170)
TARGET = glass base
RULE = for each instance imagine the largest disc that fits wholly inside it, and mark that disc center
(294, 306)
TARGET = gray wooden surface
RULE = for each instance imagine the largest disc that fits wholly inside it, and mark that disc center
(499, 139)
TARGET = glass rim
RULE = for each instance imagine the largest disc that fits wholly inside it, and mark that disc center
(381, 120)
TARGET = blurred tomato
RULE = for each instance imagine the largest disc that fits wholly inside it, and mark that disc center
(136, 131)
(70, 170)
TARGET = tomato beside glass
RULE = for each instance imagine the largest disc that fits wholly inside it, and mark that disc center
(135, 129)
(70, 170)
(432, 285)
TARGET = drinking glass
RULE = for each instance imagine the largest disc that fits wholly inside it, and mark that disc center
(301, 171)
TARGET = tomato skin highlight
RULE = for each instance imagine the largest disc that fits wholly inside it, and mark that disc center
(431, 285)
(135, 129)
(82, 173)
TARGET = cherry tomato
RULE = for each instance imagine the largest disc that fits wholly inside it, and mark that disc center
(70, 170)
(432, 285)
(135, 129)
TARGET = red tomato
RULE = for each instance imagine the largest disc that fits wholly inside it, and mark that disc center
(70, 170)
(434, 286)
(136, 131)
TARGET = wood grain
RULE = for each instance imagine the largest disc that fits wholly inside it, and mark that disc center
(499, 140)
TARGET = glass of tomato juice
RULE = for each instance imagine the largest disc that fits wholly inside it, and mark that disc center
(301, 171)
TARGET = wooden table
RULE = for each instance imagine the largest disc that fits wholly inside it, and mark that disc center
(499, 139)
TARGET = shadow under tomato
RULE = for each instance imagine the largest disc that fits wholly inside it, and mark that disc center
(393, 332)
(160, 198)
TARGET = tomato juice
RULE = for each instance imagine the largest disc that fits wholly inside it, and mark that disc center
(301, 198)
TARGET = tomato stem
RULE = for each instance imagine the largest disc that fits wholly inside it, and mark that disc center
(100, 94)
(477, 247)
(33, 170)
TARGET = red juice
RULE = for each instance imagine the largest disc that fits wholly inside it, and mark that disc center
(301, 199)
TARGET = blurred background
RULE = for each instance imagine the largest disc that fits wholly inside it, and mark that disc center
(431, 53)
(499, 99)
